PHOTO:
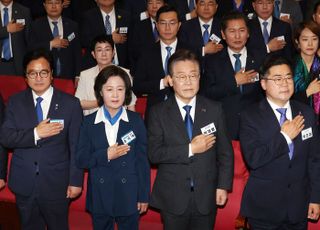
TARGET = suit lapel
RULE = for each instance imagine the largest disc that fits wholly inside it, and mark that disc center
(158, 57)
(30, 108)
(199, 32)
(124, 128)
(268, 116)
(199, 117)
(55, 105)
(298, 147)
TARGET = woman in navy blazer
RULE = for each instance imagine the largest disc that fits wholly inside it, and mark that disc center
(112, 146)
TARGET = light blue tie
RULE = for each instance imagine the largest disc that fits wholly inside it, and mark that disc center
(276, 11)
(39, 109)
(168, 48)
(155, 32)
(188, 121)
(108, 25)
(55, 33)
(283, 118)
(6, 42)
(265, 32)
(237, 66)
(205, 34)
(191, 5)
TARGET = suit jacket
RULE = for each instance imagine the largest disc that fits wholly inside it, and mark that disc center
(115, 186)
(225, 6)
(93, 25)
(278, 188)
(292, 8)
(18, 39)
(168, 143)
(135, 7)
(181, 6)
(70, 57)
(256, 43)
(3, 151)
(51, 162)
(220, 84)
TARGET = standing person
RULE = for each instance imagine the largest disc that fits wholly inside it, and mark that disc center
(280, 143)
(188, 141)
(42, 126)
(243, 6)
(112, 145)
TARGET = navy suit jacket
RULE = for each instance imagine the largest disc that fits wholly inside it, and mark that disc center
(220, 84)
(3, 151)
(70, 57)
(226, 6)
(115, 186)
(181, 6)
(278, 188)
(51, 163)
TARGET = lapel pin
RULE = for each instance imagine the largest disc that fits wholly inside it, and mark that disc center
(119, 16)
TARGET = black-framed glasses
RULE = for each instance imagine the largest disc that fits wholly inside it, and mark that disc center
(42, 73)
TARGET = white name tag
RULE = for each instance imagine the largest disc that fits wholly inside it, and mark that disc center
(250, 16)
(127, 138)
(71, 37)
(143, 16)
(21, 21)
(208, 129)
(285, 15)
(280, 38)
(306, 133)
(214, 38)
(60, 121)
(123, 30)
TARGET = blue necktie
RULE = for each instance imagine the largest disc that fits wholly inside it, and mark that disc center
(205, 34)
(55, 33)
(6, 42)
(237, 67)
(39, 109)
(191, 5)
(276, 11)
(108, 25)
(155, 32)
(168, 48)
(283, 118)
(188, 120)
(265, 32)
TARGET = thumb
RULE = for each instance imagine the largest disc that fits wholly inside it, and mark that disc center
(45, 121)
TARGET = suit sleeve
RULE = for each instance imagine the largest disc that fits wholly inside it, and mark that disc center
(77, 51)
(34, 42)
(3, 151)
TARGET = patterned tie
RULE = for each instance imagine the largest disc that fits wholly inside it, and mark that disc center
(265, 32)
(283, 118)
(191, 5)
(55, 33)
(6, 42)
(205, 34)
(155, 32)
(108, 25)
(188, 120)
(237, 66)
(276, 11)
(39, 109)
(168, 48)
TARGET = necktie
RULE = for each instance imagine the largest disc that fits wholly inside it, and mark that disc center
(188, 120)
(155, 32)
(6, 42)
(205, 34)
(168, 48)
(55, 33)
(283, 118)
(108, 25)
(237, 66)
(39, 109)
(191, 5)
(265, 32)
(276, 11)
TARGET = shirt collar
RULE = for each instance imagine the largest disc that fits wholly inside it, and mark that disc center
(172, 45)
(59, 20)
(181, 104)
(112, 13)
(45, 96)
(207, 23)
(269, 20)
(101, 118)
(243, 52)
(275, 106)
(3, 6)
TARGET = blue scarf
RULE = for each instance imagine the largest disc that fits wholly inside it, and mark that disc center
(114, 119)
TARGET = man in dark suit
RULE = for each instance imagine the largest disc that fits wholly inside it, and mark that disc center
(186, 8)
(14, 28)
(230, 76)
(288, 11)
(42, 126)
(61, 36)
(187, 139)
(280, 142)
(268, 35)
(3, 153)
(106, 18)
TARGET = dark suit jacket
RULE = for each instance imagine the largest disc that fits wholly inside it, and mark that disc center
(70, 57)
(135, 7)
(53, 156)
(18, 39)
(292, 8)
(181, 6)
(278, 188)
(3, 151)
(220, 84)
(256, 43)
(168, 148)
(115, 186)
(225, 6)
(93, 25)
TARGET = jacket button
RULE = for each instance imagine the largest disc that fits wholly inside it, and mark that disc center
(37, 173)
(35, 163)
(289, 185)
(101, 180)
(123, 180)
(124, 164)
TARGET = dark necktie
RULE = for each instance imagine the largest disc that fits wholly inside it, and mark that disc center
(55, 33)
(39, 109)
(155, 32)
(283, 118)
(191, 5)
(168, 48)
(205, 34)
(6, 42)
(265, 32)
(108, 25)
(276, 12)
(237, 66)
(188, 121)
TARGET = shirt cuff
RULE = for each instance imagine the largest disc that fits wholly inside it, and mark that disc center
(36, 136)
(190, 151)
(268, 50)
(288, 140)
(162, 85)
(188, 16)
(203, 51)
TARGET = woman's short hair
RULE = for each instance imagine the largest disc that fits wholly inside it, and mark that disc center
(311, 25)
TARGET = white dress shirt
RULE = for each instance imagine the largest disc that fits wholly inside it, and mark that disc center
(10, 18)
(243, 57)
(269, 20)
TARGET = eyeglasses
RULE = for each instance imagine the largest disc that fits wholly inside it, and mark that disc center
(184, 77)
(167, 23)
(42, 73)
(53, 2)
(280, 80)
(264, 2)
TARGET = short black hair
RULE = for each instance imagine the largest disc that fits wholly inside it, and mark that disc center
(164, 9)
(270, 61)
(102, 38)
(182, 55)
(35, 55)
(315, 8)
(233, 15)
(104, 75)
(311, 25)
(44, 1)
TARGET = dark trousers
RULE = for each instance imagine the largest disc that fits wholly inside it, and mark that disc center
(286, 225)
(105, 222)
(191, 219)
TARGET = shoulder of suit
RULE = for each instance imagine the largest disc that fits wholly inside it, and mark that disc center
(133, 116)
(66, 96)
(209, 103)
(301, 106)
(20, 95)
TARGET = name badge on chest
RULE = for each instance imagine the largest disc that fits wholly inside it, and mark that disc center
(208, 129)
(306, 133)
(127, 138)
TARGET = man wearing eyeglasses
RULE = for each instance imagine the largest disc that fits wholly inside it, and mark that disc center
(41, 126)
(280, 142)
(188, 141)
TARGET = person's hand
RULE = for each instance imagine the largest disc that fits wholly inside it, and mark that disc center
(202, 143)
(313, 87)
(166, 81)
(73, 192)
(115, 151)
(294, 127)
(313, 211)
(118, 38)
(46, 129)
(14, 27)
(221, 196)
(193, 13)
(142, 207)
(212, 47)
(66, 3)
(286, 18)
(2, 184)
(276, 44)
(58, 42)
(245, 77)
